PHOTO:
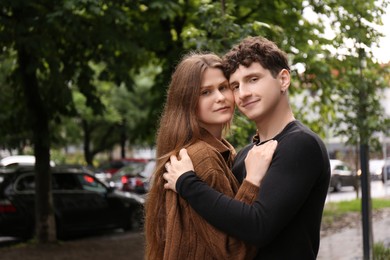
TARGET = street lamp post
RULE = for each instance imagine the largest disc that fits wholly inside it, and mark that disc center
(364, 164)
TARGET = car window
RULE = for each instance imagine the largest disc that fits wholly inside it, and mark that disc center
(148, 170)
(90, 183)
(25, 183)
(65, 182)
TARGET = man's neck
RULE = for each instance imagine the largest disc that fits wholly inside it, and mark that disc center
(269, 127)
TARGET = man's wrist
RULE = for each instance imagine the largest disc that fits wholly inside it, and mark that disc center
(181, 181)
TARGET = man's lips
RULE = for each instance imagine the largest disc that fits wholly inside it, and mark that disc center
(249, 103)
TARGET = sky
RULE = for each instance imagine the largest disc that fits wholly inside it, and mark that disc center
(382, 54)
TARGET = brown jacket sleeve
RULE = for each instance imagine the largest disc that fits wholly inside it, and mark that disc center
(211, 168)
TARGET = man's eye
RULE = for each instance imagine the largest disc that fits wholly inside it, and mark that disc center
(234, 87)
(254, 79)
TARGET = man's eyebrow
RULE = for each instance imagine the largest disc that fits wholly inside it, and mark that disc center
(252, 74)
(246, 77)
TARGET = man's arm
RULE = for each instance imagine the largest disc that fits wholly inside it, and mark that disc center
(284, 189)
(256, 164)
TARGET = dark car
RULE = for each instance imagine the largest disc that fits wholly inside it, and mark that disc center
(342, 175)
(133, 178)
(81, 203)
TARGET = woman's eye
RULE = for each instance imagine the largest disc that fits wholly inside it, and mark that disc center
(205, 92)
(223, 87)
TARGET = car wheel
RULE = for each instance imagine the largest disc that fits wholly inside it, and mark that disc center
(337, 186)
(135, 219)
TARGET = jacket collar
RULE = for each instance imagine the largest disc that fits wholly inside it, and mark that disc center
(223, 146)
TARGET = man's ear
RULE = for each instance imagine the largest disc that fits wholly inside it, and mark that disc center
(284, 77)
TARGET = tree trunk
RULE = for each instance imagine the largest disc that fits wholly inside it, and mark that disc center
(44, 216)
(88, 156)
(123, 138)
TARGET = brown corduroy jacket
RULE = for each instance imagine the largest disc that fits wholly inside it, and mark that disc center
(188, 235)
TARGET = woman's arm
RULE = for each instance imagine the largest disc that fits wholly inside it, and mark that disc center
(284, 189)
(211, 168)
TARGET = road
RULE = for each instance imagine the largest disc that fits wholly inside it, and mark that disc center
(378, 190)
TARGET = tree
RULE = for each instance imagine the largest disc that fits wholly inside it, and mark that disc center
(54, 43)
(58, 44)
(13, 119)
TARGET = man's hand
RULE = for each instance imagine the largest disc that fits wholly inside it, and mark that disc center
(176, 167)
(258, 160)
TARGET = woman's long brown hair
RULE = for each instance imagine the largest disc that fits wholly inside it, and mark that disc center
(178, 128)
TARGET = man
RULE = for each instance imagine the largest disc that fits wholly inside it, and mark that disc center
(284, 221)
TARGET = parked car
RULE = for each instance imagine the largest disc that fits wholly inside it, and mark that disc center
(133, 178)
(81, 203)
(376, 167)
(386, 171)
(98, 173)
(14, 161)
(342, 175)
(113, 166)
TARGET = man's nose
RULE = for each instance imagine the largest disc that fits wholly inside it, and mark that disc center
(243, 92)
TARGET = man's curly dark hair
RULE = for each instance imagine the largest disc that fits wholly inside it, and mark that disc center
(255, 49)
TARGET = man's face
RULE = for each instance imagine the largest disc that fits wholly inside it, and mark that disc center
(256, 91)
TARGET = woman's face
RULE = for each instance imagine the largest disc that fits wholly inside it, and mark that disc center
(216, 102)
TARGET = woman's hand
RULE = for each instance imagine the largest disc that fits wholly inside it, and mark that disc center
(258, 160)
(176, 167)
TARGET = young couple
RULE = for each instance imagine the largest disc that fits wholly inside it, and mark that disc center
(266, 202)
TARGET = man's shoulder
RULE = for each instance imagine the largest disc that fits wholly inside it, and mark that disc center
(301, 133)
(303, 142)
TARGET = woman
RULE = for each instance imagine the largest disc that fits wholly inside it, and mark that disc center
(199, 105)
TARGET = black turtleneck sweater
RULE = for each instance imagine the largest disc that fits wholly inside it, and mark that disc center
(284, 222)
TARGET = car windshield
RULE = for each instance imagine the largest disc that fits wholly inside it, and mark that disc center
(148, 170)
(132, 169)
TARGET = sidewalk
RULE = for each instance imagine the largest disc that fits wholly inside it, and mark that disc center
(348, 244)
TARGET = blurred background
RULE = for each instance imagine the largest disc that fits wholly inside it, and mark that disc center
(83, 82)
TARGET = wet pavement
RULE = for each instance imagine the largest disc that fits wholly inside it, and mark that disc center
(348, 243)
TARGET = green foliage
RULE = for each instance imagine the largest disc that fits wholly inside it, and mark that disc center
(13, 118)
(92, 59)
(362, 116)
(381, 252)
(241, 131)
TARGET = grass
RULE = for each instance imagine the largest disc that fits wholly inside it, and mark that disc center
(339, 208)
(336, 210)
(381, 252)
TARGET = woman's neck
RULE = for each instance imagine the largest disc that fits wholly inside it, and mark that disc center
(215, 131)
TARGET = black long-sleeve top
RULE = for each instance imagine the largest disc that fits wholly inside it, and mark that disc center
(284, 221)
